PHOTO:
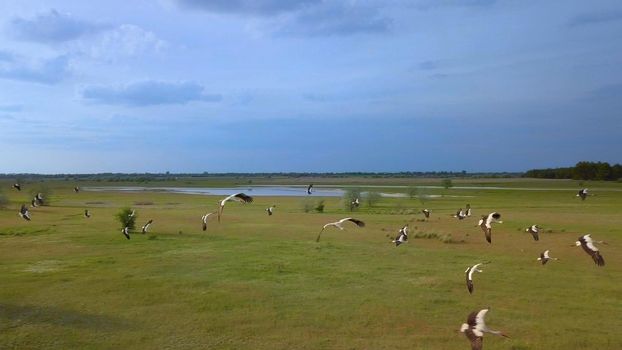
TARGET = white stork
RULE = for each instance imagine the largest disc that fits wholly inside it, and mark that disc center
(469, 276)
(459, 214)
(587, 243)
(34, 203)
(426, 212)
(23, 212)
(204, 220)
(240, 197)
(309, 189)
(338, 224)
(355, 204)
(87, 213)
(475, 328)
(76, 189)
(468, 210)
(582, 194)
(402, 236)
(270, 210)
(146, 226)
(534, 230)
(545, 257)
(17, 186)
(126, 232)
(39, 199)
(130, 215)
(485, 223)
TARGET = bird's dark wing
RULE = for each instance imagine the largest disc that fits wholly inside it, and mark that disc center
(245, 198)
(476, 342)
(472, 319)
(496, 216)
(534, 234)
(598, 259)
(469, 283)
(204, 226)
(488, 233)
(358, 223)
(543, 259)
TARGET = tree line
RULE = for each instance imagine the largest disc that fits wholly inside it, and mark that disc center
(581, 171)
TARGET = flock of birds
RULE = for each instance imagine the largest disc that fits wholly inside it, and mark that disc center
(474, 328)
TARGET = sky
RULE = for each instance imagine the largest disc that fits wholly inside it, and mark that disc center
(308, 85)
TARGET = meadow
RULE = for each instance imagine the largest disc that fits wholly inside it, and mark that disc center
(255, 281)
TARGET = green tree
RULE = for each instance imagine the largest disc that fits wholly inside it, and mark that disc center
(349, 196)
(447, 183)
(126, 219)
(372, 198)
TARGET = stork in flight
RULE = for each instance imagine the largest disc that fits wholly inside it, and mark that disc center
(426, 212)
(309, 189)
(240, 197)
(146, 226)
(475, 328)
(17, 186)
(132, 213)
(76, 189)
(204, 220)
(355, 203)
(485, 223)
(459, 214)
(126, 232)
(402, 236)
(270, 210)
(33, 203)
(469, 276)
(468, 210)
(23, 213)
(587, 243)
(87, 213)
(582, 194)
(545, 257)
(338, 224)
(534, 230)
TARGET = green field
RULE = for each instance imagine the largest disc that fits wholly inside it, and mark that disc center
(260, 282)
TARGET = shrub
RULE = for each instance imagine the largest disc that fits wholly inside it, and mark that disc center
(320, 207)
(125, 219)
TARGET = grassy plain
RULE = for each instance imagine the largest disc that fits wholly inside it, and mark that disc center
(260, 282)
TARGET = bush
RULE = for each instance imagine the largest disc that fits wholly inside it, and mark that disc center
(125, 219)
(372, 198)
(320, 207)
(349, 196)
(447, 183)
(307, 205)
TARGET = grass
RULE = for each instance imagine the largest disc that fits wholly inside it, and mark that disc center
(259, 282)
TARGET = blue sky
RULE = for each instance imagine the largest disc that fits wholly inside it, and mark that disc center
(308, 85)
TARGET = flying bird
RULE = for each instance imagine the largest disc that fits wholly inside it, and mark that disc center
(468, 210)
(402, 236)
(486, 224)
(204, 220)
(309, 189)
(23, 212)
(338, 224)
(126, 232)
(582, 194)
(39, 198)
(534, 230)
(240, 197)
(459, 214)
(34, 203)
(469, 276)
(475, 328)
(17, 186)
(545, 257)
(426, 212)
(270, 210)
(355, 204)
(76, 189)
(87, 213)
(146, 226)
(130, 215)
(587, 243)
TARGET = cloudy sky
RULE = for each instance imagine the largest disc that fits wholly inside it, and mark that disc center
(308, 85)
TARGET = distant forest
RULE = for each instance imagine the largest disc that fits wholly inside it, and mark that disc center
(581, 171)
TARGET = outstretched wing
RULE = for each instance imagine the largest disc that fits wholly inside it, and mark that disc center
(358, 223)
